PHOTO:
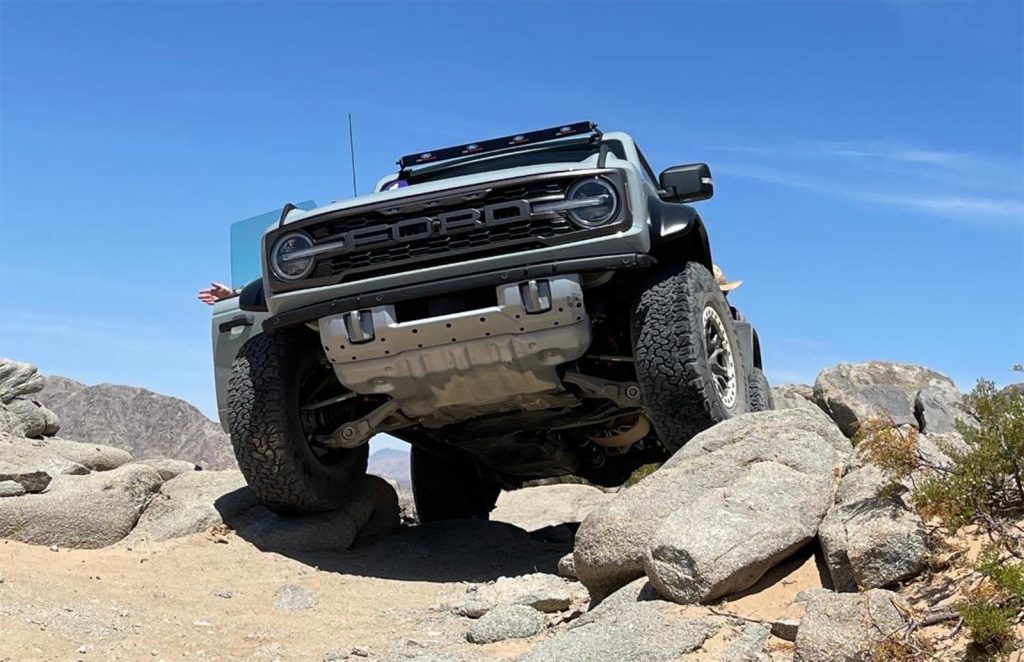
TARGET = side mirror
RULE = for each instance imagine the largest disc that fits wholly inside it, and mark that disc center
(686, 183)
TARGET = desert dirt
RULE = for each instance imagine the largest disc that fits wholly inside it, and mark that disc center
(212, 596)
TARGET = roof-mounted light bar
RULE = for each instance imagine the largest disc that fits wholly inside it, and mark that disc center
(496, 144)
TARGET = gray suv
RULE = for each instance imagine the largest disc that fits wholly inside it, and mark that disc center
(533, 306)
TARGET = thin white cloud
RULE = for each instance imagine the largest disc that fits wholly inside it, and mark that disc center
(980, 189)
(894, 151)
(977, 210)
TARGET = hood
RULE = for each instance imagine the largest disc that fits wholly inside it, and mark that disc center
(447, 184)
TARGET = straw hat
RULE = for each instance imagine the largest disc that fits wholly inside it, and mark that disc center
(723, 284)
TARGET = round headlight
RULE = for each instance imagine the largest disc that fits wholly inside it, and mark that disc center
(592, 202)
(287, 259)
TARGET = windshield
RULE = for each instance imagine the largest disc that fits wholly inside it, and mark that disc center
(565, 153)
(246, 236)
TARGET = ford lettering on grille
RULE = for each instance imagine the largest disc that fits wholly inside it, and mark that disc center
(422, 227)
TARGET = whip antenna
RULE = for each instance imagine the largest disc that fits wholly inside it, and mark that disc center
(352, 153)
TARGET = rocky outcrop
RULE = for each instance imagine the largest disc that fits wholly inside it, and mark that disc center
(854, 393)
(196, 501)
(337, 529)
(34, 463)
(790, 396)
(871, 539)
(146, 424)
(937, 408)
(846, 627)
(28, 418)
(61, 456)
(19, 415)
(193, 502)
(17, 380)
(734, 501)
(90, 511)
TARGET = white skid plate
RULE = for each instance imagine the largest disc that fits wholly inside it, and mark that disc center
(457, 366)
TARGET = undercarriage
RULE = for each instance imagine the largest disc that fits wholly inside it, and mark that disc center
(528, 377)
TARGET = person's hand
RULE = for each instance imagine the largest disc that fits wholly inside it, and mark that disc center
(216, 292)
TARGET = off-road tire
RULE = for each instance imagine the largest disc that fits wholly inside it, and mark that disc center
(267, 435)
(759, 391)
(672, 365)
(450, 487)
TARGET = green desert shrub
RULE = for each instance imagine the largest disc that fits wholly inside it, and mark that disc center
(990, 626)
(985, 486)
(987, 480)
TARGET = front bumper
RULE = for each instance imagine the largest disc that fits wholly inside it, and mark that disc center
(421, 289)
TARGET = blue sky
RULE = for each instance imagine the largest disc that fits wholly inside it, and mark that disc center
(868, 157)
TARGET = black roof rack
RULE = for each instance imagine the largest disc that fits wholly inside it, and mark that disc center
(496, 144)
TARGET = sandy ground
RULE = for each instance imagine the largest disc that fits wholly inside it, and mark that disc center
(212, 596)
(197, 598)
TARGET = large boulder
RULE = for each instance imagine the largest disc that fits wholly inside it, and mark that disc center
(18, 379)
(846, 627)
(198, 500)
(734, 501)
(937, 408)
(533, 508)
(854, 393)
(27, 418)
(58, 456)
(372, 502)
(192, 502)
(19, 416)
(506, 622)
(88, 511)
(789, 396)
(871, 537)
(642, 632)
(94, 457)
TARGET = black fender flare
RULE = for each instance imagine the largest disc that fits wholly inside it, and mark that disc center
(677, 233)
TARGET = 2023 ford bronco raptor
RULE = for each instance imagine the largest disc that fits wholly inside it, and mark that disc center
(532, 306)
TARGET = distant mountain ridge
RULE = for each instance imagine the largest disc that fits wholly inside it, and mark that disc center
(391, 463)
(144, 423)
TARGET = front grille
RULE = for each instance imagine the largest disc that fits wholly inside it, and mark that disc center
(481, 243)
(535, 231)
